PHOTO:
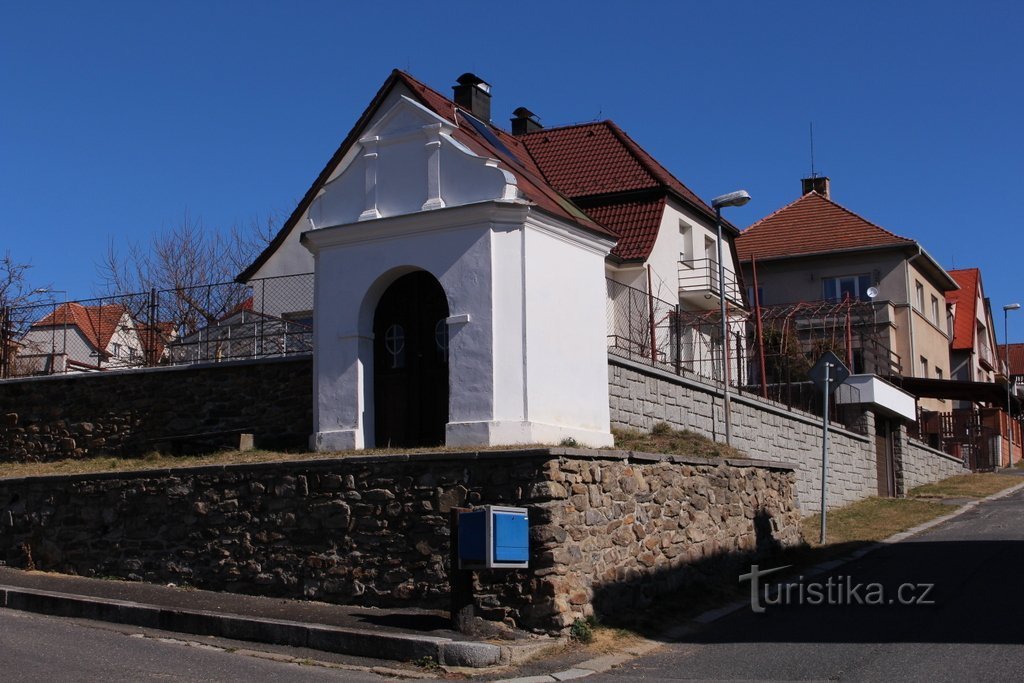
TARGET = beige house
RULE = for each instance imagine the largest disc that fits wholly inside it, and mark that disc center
(816, 250)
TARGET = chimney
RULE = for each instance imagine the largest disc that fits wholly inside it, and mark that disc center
(524, 121)
(819, 184)
(474, 95)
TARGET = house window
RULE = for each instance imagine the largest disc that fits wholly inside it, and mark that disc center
(938, 373)
(851, 287)
(924, 367)
(919, 292)
(115, 350)
(935, 310)
(686, 254)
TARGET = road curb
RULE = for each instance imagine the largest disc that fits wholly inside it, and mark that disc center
(363, 643)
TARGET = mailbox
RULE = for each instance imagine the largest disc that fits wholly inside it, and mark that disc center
(494, 537)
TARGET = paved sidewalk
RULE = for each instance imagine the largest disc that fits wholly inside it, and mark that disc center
(397, 634)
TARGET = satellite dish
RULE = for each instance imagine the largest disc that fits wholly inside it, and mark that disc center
(872, 292)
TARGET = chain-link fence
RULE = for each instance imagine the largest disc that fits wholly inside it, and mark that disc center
(227, 320)
(770, 350)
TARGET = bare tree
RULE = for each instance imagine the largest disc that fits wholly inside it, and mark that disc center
(17, 310)
(184, 276)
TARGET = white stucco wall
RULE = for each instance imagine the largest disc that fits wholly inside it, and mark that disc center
(527, 362)
(565, 330)
(670, 247)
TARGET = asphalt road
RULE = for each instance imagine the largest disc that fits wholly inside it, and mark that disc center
(51, 649)
(972, 630)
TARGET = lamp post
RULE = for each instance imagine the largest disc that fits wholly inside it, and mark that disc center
(1006, 359)
(738, 198)
(64, 347)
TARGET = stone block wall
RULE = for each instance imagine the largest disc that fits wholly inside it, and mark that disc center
(641, 396)
(607, 528)
(920, 464)
(130, 412)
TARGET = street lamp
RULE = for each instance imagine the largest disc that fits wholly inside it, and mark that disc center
(64, 348)
(1006, 359)
(738, 198)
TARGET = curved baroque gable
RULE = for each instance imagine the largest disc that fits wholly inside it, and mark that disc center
(407, 162)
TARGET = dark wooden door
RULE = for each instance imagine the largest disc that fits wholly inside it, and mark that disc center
(884, 458)
(410, 366)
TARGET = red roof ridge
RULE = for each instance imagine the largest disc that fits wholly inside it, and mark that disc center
(755, 228)
(549, 199)
(966, 311)
(97, 323)
(838, 206)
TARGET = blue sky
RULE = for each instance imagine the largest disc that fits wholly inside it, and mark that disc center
(117, 118)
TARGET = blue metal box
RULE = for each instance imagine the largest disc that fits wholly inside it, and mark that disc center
(494, 537)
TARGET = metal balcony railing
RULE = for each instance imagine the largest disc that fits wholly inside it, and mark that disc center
(700, 277)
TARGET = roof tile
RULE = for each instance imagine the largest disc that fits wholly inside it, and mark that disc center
(636, 223)
(97, 323)
(1016, 357)
(812, 225)
(965, 313)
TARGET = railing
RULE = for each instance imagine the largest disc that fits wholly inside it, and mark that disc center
(964, 434)
(227, 320)
(985, 355)
(700, 277)
(769, 351)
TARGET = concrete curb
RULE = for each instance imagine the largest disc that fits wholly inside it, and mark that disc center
(606, 662)
(363, 643)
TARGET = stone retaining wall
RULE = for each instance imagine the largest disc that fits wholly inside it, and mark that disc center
(130, 412)
(924, 465)
(607, 528)
(641, 396)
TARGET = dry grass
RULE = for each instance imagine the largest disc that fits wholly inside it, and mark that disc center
(872, 520)
(664, 439)
(608, 639)
(967, 486)
(160, 461)
(661, 440)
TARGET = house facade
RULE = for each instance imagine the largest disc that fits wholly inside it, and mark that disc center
(466, 277)
(973, 347)
(816, 250)
(79, 338)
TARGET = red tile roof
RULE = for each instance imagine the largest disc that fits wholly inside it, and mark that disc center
(635, 222)
(812, 225)
(154, 339)
(530, 180)
(965, 313)
(97, 323)
(592, 162)
(552, 167)
(1016, 357)
(600, 158)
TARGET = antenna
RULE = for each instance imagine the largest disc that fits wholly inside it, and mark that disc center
(813, 172)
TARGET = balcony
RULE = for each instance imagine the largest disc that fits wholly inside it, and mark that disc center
(985, 357)
(700, 289)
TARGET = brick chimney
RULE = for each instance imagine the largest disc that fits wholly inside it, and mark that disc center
(819, 184)
(474, 95)
(524, 121)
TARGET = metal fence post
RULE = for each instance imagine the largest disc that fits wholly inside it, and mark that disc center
(5, 343)
(677, 327)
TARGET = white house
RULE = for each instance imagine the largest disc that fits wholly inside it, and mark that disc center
(78, 338)
(462, 273)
